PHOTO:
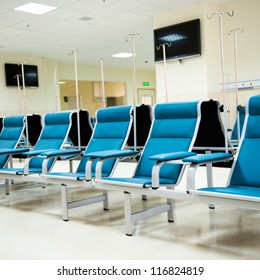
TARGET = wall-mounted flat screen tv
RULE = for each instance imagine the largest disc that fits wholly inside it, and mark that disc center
(182, 40)
(30, 75)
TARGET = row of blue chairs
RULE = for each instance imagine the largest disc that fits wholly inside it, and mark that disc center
(167, 151)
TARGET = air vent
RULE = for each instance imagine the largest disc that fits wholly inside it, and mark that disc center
(85, 18)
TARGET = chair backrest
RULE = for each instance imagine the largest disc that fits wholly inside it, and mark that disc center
(110, 133)
(1, 123)
(245, 170)
(241, 112)
(11, 133)
(53, 135)
(173, 130)
(210, 132)
(85, 126)
(143, 124)
(34, 127)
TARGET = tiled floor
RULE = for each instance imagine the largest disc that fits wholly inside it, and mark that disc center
(32, 227)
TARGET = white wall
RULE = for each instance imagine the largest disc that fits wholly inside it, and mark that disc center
(38, 100)
(191, 79)
(196, 78)
(45, 98)
(200, 77)
(246, 16)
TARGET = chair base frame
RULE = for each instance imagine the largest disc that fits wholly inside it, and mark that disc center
(66, 204)
(171, 195)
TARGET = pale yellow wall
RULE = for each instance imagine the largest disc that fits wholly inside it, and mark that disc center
(87, 73)
(38, 100)
(114, 89)
(86, 94)
(191, 79)
(246, 16)
(200, 77)
(46, 97)
(85, 89)
(196, 78)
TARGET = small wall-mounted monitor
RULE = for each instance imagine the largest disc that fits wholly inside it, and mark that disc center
(182, 40)
(14, 70)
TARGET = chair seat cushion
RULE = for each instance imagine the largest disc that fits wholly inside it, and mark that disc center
(139, 181)
(70, 175)
(235, 191)
(19, 171)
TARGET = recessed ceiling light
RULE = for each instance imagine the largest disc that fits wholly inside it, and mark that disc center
(37, 9)
(122, 55)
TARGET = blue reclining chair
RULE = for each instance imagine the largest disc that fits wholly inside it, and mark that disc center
(243, 186)
(171, 138)
(10, 136)
(110, 133)
(53, 135)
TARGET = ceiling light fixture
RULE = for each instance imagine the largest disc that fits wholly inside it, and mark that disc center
(36, 9)
(122, 55)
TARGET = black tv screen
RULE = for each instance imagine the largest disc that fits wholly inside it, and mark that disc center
(182, 40)
(30, 75)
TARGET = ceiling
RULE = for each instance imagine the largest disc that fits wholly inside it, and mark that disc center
(91, 28)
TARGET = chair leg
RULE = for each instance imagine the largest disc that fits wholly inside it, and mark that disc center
(209, 178)
(128, 214)
(7, 186)
(105, 202)
(170, 213)
(64, 202)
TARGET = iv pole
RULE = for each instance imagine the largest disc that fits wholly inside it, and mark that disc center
(165, 68)
(19, 93)
(234, 31)
(74, 53)
(220, 14)
(133, 36)
(55, 89)
(103, 83)
(24, 103)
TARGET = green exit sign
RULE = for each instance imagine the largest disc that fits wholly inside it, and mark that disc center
(146, 84)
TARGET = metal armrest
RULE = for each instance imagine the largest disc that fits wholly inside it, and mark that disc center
(208, 159)
(34, 153)
(104, 155)
(63, 154)
(160, 159)
(13, 151)
(112, 154)
(172, 156)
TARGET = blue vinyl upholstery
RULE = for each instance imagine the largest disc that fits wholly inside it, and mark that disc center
(245, 178)
(234, 135)
(13, 128)
(53, 135)
(110, 131)
(172, 131)
(112, 125)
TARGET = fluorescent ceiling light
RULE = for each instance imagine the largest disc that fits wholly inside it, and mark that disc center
(37, 9)
(122, 55)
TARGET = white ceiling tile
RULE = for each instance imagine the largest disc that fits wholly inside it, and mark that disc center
(55, 34)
